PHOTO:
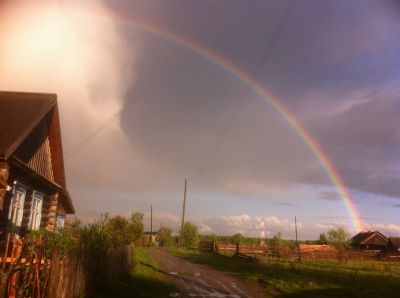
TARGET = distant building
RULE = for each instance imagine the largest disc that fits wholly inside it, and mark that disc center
(394, 244)
(370, 240)
(33, 190)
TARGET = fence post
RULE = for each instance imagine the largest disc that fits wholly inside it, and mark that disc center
(54, 274)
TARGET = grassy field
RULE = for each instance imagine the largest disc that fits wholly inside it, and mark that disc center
(308, 278)
(144, 279)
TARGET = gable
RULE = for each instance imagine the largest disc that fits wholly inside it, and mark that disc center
(20, 113)
(395, 242)
(30, 137)
(376, 239)
(35, 151)
(30, 130)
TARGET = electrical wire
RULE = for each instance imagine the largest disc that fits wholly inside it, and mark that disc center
(174, 57)
(244, 95)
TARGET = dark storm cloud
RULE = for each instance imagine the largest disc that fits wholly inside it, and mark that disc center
(364, 143)
(334, 66)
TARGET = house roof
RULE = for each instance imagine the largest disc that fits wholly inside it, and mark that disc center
(20, 114)
(363, 237)
(395, 241)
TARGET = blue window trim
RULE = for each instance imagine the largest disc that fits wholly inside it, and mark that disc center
(35, 194)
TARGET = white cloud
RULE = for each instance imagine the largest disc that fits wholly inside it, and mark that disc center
(46, 47)
(389, 230)
(74, 49)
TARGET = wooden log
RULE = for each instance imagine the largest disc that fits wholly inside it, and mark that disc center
(51, 221)
(4, 173)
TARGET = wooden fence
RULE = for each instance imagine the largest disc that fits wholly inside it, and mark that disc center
(26, 272)
(316, 252)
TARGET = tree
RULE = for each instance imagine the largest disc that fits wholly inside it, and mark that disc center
(322, 239)
(164, 237)
(190, 235)
(338, 237)
(118, 226)
(237, 238)
(136, 226)
(277, 241)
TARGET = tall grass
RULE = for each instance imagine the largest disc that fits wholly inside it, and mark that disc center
(327, 278)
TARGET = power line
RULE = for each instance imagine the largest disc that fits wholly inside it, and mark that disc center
(82, 144)
(244, 95)
(175, 54)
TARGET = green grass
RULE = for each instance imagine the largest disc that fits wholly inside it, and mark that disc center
(145, 279)
(309, 278)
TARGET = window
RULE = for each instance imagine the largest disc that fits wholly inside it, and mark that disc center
(60, 221)
(16, 208)
(36, 211)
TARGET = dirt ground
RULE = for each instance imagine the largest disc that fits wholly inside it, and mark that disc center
(193, 280)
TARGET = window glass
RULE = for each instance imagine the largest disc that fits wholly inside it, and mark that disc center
(36, 211)
(17, 206)
(60, 221)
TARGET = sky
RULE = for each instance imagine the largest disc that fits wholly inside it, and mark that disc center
(144, 104)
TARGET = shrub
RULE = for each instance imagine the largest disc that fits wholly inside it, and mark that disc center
(338, 237)
(237, 238)
(190, 235)
(164, 237)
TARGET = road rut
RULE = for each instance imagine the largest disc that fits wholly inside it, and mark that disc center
(194, 280)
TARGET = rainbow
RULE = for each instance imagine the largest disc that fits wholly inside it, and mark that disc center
(244, 77)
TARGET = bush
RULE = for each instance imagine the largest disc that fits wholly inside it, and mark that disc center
(338, 238)
(98, 245)
(164, 237)
(237, 238)
(190, 235)
(277, 242)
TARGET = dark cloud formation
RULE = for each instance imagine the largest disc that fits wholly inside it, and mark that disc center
(333, 66)
(364, 142)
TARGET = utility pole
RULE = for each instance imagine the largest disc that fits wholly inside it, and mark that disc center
(297, 243)
(151, 224)
(183, 214)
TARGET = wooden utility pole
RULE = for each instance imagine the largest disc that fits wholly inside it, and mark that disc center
(183, 214)
(151, 224)
(297, 243)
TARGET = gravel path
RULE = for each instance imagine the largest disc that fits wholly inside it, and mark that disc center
(193, 280)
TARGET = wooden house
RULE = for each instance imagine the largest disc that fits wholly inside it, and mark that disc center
(148, 238)
(394, 244)
(370, 241)
(33, 190)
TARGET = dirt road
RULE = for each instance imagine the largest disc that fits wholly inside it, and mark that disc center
(193, 280)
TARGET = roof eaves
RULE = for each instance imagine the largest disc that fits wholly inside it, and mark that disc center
(372, 235)
(6, 155)
(19, 163)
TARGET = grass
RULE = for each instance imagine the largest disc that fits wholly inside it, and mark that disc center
(144, 280)
(308, 278)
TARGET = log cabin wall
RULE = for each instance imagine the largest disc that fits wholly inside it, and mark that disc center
(4, 173)
(27, 210)
(49, 213)
(4, 214)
